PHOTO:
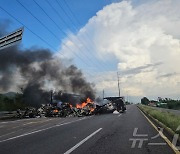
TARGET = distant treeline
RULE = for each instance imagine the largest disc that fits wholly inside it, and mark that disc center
(171, 104)
(162, 102)
(11, 103)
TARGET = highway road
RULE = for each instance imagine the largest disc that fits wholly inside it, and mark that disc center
(98, 134)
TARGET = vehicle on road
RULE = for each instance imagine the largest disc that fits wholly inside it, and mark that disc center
(118, 103)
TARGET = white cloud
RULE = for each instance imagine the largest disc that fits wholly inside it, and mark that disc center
(136, 36)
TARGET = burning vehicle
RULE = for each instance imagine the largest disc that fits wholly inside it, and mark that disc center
(118, 103)
(106, 108)
(113, 104)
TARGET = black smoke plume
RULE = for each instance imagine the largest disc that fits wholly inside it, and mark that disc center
(33, 70)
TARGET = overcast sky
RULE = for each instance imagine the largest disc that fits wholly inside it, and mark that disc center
(139, 39)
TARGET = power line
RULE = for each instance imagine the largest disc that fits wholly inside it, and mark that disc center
(69, 28)
(47, 29)
(28, 28)
(73, 26)
(72, 13)
(65, 13)
(62, 32)
(32, 31)
(38, 20)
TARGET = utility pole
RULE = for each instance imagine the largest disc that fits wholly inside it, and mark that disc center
(127, 97)
(103, 93)
(51, 96)
(118, 83)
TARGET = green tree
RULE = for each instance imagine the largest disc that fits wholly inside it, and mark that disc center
(145, 101)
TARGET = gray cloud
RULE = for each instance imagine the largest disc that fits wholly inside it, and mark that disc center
(167, 75)
(137, 70)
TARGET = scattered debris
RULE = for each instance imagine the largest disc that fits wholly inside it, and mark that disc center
(64, 109)
(115, 112)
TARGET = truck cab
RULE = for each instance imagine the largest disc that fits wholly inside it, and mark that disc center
(118, 103)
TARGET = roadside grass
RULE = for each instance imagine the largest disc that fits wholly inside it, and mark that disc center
(168, 119)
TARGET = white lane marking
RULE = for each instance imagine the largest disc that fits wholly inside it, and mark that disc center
(45, 125)
(7, 134)
(10, 133)
(16, 127)
(29, 123)
(81, 142)
(33, 132)
(21, 120)
(119, 115)
(15, 121)
(32, 122)
(61, 124)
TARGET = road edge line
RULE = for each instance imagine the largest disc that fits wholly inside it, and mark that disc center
(161, 134)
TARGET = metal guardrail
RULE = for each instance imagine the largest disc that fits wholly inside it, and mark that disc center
(7, 114)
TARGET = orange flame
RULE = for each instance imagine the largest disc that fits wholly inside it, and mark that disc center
(92, 109)
(55, 111)
(71, 106)
(82, 105)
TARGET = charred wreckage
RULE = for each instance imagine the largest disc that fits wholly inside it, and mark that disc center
(63, 108)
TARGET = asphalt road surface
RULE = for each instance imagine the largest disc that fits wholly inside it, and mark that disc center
(99, 134)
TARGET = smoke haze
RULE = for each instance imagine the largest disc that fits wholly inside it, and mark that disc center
(36, 72)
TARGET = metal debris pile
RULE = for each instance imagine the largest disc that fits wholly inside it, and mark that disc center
(64, 109)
